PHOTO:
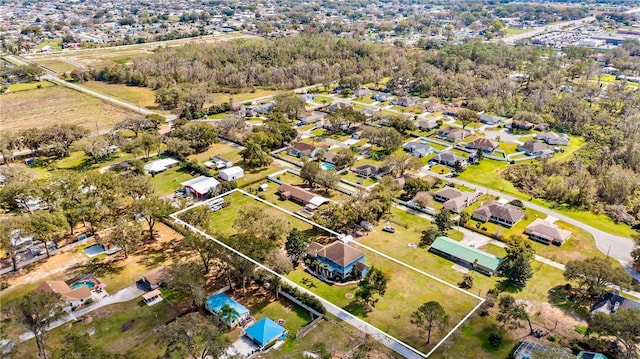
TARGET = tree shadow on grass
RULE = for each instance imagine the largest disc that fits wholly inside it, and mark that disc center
(357, 309)
(503, 286)
(97, 267)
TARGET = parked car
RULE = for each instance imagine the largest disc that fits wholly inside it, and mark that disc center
(388, 229)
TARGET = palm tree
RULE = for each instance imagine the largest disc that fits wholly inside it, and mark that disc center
(228, 314)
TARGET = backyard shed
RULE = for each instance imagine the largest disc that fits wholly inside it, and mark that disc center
(231, 173)
(265, 332)
(200, 187)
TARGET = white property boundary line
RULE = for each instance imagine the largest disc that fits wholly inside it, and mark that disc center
(349, 317)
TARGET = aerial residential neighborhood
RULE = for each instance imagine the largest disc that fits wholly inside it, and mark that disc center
(320, 180)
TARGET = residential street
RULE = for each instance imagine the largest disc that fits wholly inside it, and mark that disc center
(615, 246)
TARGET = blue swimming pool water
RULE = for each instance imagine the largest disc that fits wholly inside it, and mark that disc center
(89, 285)
(327, 166)
(94, 250)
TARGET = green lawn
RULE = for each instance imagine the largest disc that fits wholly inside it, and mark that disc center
(30, 86)
(140, 341)
(508, 147)
(170, 180)
(323, 99)
(333, 293)
(75, 160)
(440, 169)
(221, 149)
(350, 176)
(294, 317)
(575, 143)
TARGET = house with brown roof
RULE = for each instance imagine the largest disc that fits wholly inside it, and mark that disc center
(547, 232)
(502, 213)
(154, 277)
(367, 171)
(74, 297)
(361, 92)
(311, 117)
(483, 144)
(310, 200)
(453, 134)
(535, 148)
(337, 259)
(454, 200)
(302, 149)
(452, 111)
(427, 125)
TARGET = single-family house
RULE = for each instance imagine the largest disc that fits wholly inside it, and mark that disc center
(454, 200)
(161, 165)
(368, 111)
(73, 297)
(547, 232)
(526, 349)
(553, 139)
(357, 134)
(535, 148)
(263, 109)
(154, 278)
(367, 171)
(329, 157)
(541, 126)
(265, 332)
(418, 149)
(405, 101)
(612, 302)
(361, 92)
(519, 125)
(490, 120)
(382, 96)
(302, 149)
(340, 260)
(482, 143)
(310, 200)
(311, 117)
(216, 302)
(502, 213)
(449, 159)
(427, 125)
(453, 134)
(452, 111)
(433, 106)
(221, 162)
(466, 255)
(231, 173)
(200, 187)
(338, 105)
(308, 97)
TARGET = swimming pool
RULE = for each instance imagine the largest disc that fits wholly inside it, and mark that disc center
(94, 250)
(327, 166)
(77, 285)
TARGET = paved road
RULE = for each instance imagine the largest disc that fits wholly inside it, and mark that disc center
(615, 246)
(124, 295)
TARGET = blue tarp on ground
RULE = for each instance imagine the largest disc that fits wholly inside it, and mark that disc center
(265, 331)
(217, 301)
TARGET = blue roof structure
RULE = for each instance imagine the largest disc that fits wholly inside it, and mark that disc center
(265, 331)
(217, 301)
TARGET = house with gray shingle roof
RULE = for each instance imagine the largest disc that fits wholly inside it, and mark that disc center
(554, 139)
(482, 143)
(505, 214)
(449, 159)
(546, 232)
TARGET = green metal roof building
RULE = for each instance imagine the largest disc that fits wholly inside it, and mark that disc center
(465, 255)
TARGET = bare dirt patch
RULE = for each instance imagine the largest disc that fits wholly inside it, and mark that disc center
(57, 105)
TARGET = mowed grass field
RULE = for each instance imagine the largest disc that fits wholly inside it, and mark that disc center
(139, 96)
(57, 105)
(406, 291)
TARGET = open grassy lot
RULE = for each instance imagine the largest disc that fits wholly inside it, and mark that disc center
(57, 65)
(30, 86)
(575, 143)
(57, 105)
(221, 149)
(139, 96)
